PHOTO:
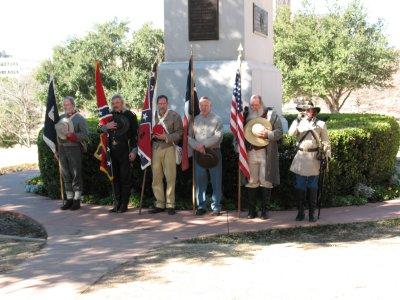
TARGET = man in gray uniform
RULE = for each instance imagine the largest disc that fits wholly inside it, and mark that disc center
(72, 133)
(263, 161)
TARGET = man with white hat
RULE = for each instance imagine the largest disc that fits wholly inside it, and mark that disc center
(263, 130)
(312, 143)
(72, 133)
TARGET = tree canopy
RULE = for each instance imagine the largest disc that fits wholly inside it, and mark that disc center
(126, 60)
(329, 56)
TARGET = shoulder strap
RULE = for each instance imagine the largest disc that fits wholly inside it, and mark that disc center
(302, 138)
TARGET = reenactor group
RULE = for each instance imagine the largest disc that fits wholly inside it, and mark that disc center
(262, 131)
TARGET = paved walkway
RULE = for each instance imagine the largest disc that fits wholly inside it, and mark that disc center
(84, 245)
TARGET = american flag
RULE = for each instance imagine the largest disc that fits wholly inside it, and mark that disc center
(144, 140)
(237, 121)
(190, 89)
(103, 150)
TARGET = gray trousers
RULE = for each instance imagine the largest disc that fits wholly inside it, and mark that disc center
(71, 170)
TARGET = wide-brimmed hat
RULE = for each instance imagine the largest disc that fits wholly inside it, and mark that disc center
(255, 126)
(63, 127)
(307, 105)
(207, 160)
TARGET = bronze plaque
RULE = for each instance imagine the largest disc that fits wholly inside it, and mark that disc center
(203, 20)
(260, 20)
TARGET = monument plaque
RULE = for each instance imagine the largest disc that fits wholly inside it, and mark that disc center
(260, 20)
(203, 20)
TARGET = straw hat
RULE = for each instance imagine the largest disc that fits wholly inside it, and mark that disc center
(253, 128)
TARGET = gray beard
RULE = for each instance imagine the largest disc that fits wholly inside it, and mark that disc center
(255, 114)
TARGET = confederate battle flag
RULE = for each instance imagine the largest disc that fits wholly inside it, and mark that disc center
(103, 150)
(145, 127)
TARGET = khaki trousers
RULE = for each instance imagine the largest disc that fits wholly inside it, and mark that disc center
(257, 166)
(163, 163)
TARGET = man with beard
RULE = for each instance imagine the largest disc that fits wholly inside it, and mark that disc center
(167, 132)
(312, 140)
(263, 160)
(72, 133)
(122, 132)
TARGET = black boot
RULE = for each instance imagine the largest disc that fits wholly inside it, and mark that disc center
(312, 198)
(251, 198)
(300, 195)
(76, 204)
(67, 204)
(265, 198)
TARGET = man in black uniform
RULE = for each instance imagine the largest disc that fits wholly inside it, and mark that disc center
(123, 147)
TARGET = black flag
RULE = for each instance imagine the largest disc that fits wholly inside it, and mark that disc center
(51, 119)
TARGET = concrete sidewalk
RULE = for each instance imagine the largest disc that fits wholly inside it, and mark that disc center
(84, 245)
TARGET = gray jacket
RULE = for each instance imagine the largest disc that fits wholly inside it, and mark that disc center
(207, 131)
(272, 161)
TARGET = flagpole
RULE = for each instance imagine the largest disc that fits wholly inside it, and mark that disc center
(239, 205)
(142, 192)
(58, 154)
(192, 121)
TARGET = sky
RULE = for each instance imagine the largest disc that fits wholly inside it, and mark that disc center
(30, 29)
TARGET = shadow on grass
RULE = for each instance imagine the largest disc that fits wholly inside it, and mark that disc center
(145, 267)
(319, 234)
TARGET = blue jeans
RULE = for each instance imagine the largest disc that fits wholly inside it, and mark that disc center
(216, 183)
(304, 182)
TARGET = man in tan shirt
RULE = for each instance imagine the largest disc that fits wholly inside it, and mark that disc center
(167, 132)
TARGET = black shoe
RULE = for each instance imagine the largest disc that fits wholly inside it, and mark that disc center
(156, 210)
(171, 211)
(200, 212)
(264, 215)
(76, 205)
(252, 215)
(300, 216)
(216, 213)
(67, 204)
(123, 208)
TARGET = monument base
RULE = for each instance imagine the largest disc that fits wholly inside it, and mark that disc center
(215, 79)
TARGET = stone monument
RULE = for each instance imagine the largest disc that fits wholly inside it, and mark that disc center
(215, 29)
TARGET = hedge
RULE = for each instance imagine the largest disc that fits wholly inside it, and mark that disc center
(364, 148)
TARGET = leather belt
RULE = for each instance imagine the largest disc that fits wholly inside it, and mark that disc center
(252, 147)
(309, 150)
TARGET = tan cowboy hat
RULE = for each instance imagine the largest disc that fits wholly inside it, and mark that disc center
(307, 105)
(63, 127)
(207, 160)
(255, 126)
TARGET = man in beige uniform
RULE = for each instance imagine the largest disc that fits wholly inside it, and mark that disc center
(312, 137)
(164, 161)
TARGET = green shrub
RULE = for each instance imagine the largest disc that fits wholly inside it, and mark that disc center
(364, 148)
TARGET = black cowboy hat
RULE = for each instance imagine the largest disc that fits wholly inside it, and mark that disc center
(207, 160)
(122, 124)
(307, 105)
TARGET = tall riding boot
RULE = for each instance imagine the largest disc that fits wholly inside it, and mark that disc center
(251, 198)
(312, 198)
(124, 199)
(300, 196)
(67, 204)
(265, 199)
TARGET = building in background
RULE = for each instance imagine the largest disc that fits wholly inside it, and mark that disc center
(11, 66)
(279, 3)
